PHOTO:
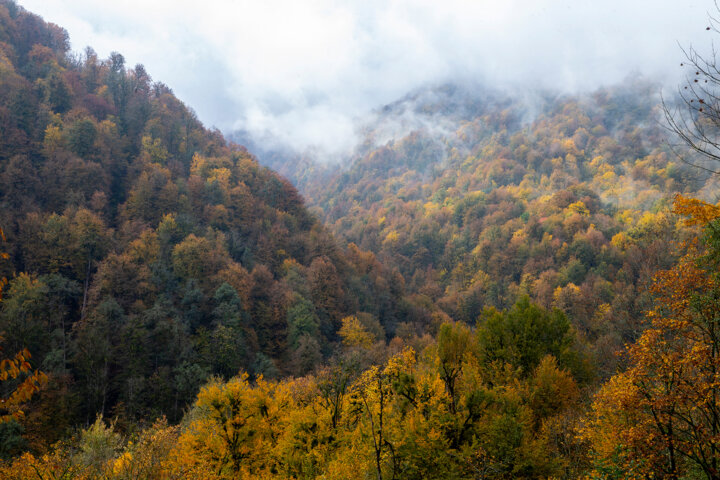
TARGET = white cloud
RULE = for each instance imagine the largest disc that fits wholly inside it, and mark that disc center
(302, 71)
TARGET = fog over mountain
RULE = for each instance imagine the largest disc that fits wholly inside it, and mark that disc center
(305, 73)
(433, 240)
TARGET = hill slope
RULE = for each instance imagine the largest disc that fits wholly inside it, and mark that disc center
(479, 198)
(156, 253)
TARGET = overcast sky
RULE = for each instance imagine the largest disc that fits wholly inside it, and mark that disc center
(304, 70)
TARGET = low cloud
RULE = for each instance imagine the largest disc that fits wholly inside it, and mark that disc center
(305, 72)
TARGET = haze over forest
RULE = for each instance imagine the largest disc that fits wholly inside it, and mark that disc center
(379, 240)
(306, 74)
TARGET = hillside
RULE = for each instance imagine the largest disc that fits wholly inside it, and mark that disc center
(479, 198)
(153, 253)
(493, 285)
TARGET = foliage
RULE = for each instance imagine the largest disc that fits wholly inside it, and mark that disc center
(156, 253)
(393, 419)
(27, 382)
(662, 414)
(445, 325)
(567, 204)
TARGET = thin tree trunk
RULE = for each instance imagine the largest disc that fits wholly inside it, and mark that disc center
(85, 292)
(64, 346)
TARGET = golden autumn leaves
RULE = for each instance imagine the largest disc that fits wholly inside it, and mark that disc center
(444, 411)
(17, 367)
(661, 417)
(483, 403)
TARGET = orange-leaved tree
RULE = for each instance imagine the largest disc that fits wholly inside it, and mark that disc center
(661, 417)
(14, 368)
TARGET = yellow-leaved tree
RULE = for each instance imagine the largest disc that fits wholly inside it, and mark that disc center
(661, 417)
(16, 367)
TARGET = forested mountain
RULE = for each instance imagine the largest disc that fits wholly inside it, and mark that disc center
(153, 253)
(455, 304)
(480, 198)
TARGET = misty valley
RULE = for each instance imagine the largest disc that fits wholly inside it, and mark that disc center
(485, 283)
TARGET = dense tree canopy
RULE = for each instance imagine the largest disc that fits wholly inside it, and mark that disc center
(462, 316)
(155, 254)
(568, 204)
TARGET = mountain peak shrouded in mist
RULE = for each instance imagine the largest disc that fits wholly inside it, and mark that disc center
(440, 114)
(304, 73)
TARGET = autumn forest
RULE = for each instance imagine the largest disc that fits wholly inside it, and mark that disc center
(486, 288)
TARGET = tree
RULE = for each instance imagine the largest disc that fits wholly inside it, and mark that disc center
(234, 430)
(15, 368)
(24, 315)
(354, 333)
(371, 398)
(523, 335)
(454, 343)
(94, 351)
(82, 136)
(695, 119)
(662, 415)
(327, 295)
(301, 320)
